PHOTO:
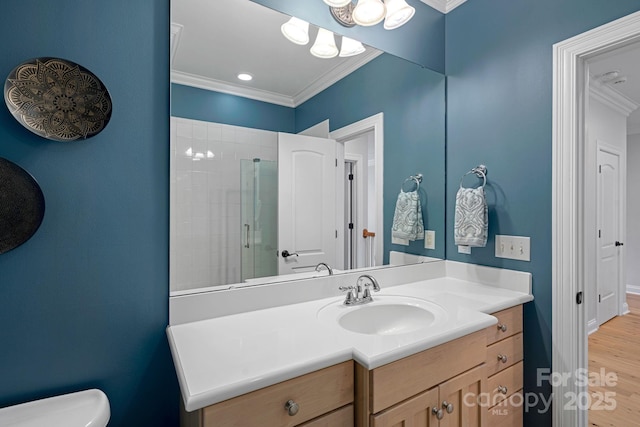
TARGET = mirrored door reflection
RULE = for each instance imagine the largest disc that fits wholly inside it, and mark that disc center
(259, 218)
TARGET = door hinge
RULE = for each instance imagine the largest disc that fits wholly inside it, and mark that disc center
(599, 298)
(350, 226)
(336, 162)
(350, 177)
(579, 298)
(336, 234)
(599, 168)
(599, 234)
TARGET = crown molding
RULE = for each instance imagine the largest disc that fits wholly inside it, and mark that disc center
(192, 80)
(176, 32)
(444, 6)
(308, 92)
(612, 98)
(333, 76)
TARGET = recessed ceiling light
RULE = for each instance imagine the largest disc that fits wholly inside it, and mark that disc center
(245, 77)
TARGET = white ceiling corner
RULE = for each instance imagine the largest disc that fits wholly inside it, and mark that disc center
(444, 6)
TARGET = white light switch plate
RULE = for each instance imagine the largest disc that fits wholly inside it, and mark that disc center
(462, 249)
(513, 247)
(429, 239)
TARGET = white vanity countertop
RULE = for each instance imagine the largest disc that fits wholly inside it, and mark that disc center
(224, 357)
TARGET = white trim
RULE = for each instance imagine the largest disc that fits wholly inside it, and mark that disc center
(176, 32)
(569, 90)
(633, 289)
(325, 81)
(336, 74)
(192, 80)
(375, 123)
(444, 6)
(612, 98)
(592, 326)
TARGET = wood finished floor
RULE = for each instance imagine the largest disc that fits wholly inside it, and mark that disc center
(615, 347)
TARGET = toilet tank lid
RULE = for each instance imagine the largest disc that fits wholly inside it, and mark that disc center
(88, 408)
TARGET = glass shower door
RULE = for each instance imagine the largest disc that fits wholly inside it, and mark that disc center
(259, 218)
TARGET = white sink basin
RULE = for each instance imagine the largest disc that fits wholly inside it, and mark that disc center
(386, 315)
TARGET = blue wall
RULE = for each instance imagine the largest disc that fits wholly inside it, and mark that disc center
(421, 40)
(84, 302)
(499, 105)
(200, 104)
(412, 99)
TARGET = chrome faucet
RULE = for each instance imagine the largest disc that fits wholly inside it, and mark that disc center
(358, 294)
(324, 264)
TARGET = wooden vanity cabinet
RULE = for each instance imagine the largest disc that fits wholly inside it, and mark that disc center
(505, 370)
(412, 390)
(323, 399)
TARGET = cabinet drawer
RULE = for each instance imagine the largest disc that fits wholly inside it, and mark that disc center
(509, 323)
(504, 353)
(503, 384)
(399, 380)
(342, 417)
(316, 394)
(508, 413)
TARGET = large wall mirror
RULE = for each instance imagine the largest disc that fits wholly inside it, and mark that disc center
(273, 176)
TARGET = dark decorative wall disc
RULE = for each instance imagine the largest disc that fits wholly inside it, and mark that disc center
(21, 205)
(57, 99)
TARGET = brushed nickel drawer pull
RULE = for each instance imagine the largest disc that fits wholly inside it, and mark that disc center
(447, 406)
(502, 358)
(291, 407)
(502, 327)
(502, 389)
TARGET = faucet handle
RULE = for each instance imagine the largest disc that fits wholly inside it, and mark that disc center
(351, 297)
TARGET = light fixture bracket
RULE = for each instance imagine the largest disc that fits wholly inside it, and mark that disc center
(344, 15)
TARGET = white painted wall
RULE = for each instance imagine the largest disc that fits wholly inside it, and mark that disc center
(205, 226)
(605, 125)
(632, 242)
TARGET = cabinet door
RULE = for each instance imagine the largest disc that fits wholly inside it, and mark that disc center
(463, 392)
(415, 412)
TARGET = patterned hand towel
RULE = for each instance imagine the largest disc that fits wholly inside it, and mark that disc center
(471, 217)
(407, 220)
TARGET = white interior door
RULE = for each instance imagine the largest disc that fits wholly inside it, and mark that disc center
(306, 202)
(608, 212)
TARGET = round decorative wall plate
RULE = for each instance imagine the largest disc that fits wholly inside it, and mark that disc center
(57, 99)
(21, 205)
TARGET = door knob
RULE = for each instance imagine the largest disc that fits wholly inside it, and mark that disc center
(286, 254)
(619, 244)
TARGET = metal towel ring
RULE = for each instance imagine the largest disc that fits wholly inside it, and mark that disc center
(415, 178)
(480, 171)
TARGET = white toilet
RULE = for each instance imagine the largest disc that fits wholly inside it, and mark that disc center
(89, 408)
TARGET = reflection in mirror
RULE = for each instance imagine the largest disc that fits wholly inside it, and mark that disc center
(245, 188)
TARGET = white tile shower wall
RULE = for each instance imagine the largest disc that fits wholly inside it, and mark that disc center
(205, 225)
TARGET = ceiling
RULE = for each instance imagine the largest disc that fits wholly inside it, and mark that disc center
(216, 40)
(626, 61)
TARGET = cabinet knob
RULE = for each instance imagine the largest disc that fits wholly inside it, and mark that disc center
(502, 389)
(447, 406)
(291, 407)
(502, 327)
(439, 413)
(502, 358)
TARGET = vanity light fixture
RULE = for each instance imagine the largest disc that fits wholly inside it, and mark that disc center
(395, 13)
(325, 45)
(296, 30)
(350, 47)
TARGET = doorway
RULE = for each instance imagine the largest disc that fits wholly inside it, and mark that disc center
(569, 265)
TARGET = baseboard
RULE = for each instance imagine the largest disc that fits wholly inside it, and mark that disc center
(592, 326)
(633, 289)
